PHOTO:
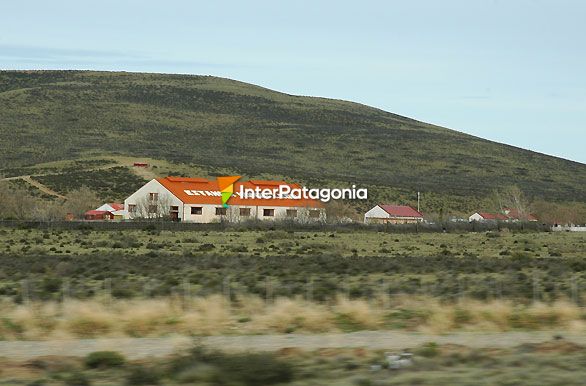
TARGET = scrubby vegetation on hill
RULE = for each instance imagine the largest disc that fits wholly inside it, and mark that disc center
(229, 125)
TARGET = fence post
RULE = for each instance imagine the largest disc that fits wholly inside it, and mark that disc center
(385, 294)
(186, 293)
(25, 292)
(535, 287)
(65, 290)
(346, 293)
(268, 290)
(309, 289)
(146, 289)
(460, 287)
(227, 289)
(575, 290)
(108, 291)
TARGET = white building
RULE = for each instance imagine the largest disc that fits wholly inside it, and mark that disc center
(507, 215)
(200, 200)
(392, 214)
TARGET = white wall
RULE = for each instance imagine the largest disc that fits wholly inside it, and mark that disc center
(152, 186)
(256, 212)
(376, 212)
(475, 217)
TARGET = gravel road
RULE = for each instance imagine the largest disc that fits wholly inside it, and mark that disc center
(137, 348)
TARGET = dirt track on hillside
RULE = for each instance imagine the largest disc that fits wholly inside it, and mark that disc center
(136, 348)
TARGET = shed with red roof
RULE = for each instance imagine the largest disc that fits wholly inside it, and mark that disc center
(392, 214)
(507, 215)
(93, 215)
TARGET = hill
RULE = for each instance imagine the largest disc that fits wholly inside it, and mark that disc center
(219, 125)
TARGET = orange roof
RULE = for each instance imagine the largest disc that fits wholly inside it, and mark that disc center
(116, 205)
(203, 191)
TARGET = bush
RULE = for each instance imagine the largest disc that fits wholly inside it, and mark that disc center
(141, 375)
(206, 247)
(38, 382)
(250, 369)
(104, 359)
(429, 350)
(77, 379)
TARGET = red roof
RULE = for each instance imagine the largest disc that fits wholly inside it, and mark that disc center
(512, 214)
(515, 215)
(203, 191)
(401, 211)
(96, 212)
(116, 206)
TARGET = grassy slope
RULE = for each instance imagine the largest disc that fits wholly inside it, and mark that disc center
(224, 124)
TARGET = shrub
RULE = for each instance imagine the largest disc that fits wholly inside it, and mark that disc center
(141, 375)
(38, 382)
(206, 247)
(104, 359)
(77, 379)
(51, 284)
(249, 369)
(429, 350)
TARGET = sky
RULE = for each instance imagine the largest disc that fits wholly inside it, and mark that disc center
(510, 71)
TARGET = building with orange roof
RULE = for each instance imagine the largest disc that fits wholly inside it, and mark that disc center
(200, 200)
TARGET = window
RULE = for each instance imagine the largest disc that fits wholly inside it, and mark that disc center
(153, 196)
(152, 209)
(314, 213)
(268, 212)
(196, 210)
(131, 208)
(245, 212)
(291, 212)
(174, 208)
(220, 211)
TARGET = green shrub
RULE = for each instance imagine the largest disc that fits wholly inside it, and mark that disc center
(428, 350)
(141, 375)
(77, 379)
(104, 359)
(249, 369)
(38, 382)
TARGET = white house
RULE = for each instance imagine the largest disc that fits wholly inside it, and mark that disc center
(200, 200)
(392, 214)
(487, 217)
(507, 214)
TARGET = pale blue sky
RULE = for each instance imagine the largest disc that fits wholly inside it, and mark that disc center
(510, 71)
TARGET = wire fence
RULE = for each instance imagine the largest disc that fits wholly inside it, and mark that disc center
(458, 287)
(443, 227)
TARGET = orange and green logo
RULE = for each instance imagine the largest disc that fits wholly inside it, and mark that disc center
(226, 185)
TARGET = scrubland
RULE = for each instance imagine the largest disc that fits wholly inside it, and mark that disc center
(88, 283)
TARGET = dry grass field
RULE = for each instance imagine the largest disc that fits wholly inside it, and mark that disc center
(214, 315)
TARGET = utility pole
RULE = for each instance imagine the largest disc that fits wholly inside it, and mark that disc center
(418, 201)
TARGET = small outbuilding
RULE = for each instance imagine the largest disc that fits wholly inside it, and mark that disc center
(97, 215)
(392, 214)
(507, 215)
(487, 217)
(111, 207)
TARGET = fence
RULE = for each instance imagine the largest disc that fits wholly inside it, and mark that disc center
(453, 288)
(445, 227)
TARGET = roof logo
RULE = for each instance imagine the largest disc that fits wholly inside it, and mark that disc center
(226, 185)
